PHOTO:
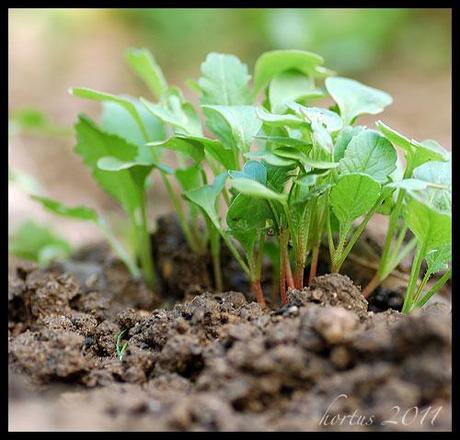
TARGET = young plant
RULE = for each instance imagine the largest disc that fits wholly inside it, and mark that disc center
(38, 243)
(285, 175)
(415, 154)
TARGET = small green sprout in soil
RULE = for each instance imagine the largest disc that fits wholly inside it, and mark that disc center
(270, 173)
(119, 348)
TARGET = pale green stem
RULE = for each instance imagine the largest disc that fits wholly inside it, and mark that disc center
(408, 300)
(436, 287)
(119, 249)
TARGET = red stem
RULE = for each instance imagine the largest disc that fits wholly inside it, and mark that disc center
(298, 277)
(314, 264)
(289, 278)
(282, 280)
(258, 292)
(371, 286)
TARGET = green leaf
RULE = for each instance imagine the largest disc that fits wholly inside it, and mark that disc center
(197, 145)
(438, 177)
(276, 120)
(286, 141)
(438, 259)
(352, 196)
(248, 213)
(291, 85)
(343, 140)
(206, 197)
(126, 186)
(224, 81)
(145, 66)
(190, 178)
(34, 242)
(187, 145)
(26, 182)
(125, 102)
(431, 227)
(115, 119)
(111, 163)
(251, 170)
(75, 212)
(272, 63)
(417, 152)
(253, 188)
(236, 126)
(354, 98)
(370, 153)
(270, 158)
(330, 120)
(176, 111)
(36, 121)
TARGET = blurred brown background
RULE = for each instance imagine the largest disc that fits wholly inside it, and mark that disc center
(404, 52)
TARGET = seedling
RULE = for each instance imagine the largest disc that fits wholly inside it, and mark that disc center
(35, 242)
(278, 176)
(119, 348)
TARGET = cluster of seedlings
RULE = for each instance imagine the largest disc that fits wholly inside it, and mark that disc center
(276, 177)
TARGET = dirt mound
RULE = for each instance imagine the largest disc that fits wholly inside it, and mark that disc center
(219, 362)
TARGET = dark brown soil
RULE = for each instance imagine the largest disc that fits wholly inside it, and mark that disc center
(216, 361)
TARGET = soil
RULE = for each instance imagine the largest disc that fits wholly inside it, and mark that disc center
(201, 360)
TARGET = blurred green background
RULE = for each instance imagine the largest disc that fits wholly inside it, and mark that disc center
(404, 52)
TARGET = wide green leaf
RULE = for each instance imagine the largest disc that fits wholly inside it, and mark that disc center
(251, 170)
(145, 66)
(236, 126)
(253, 188)
(176, 111)
(224, 80)
(291, 85)
(354, 98)
(125, 102)
(417, 152)
(191, 177)
(438, 259)
(431, 227)
(185, 145)
(370, 153)
(115, 119)
(270, 158)
(438, 177)
(272, 63)
(126, 186)
(277, 120)
(352, 196)
(343, 140)
(248, 213)
(206, 197)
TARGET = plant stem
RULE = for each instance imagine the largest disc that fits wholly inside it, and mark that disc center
(377, 278)
(283, 266)
(194, 246)
(435, 288)
(215, 255)
(373, 283)
(422, 285)
(235, 253)
(119, 249)
(256, 288)
(314, 264)
(144, 247)
(289, 278)
(408, 300)
(343, 253)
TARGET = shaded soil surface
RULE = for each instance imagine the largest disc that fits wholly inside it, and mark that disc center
(217, 361)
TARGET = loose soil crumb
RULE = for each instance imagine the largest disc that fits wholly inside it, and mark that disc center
(218, 361)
